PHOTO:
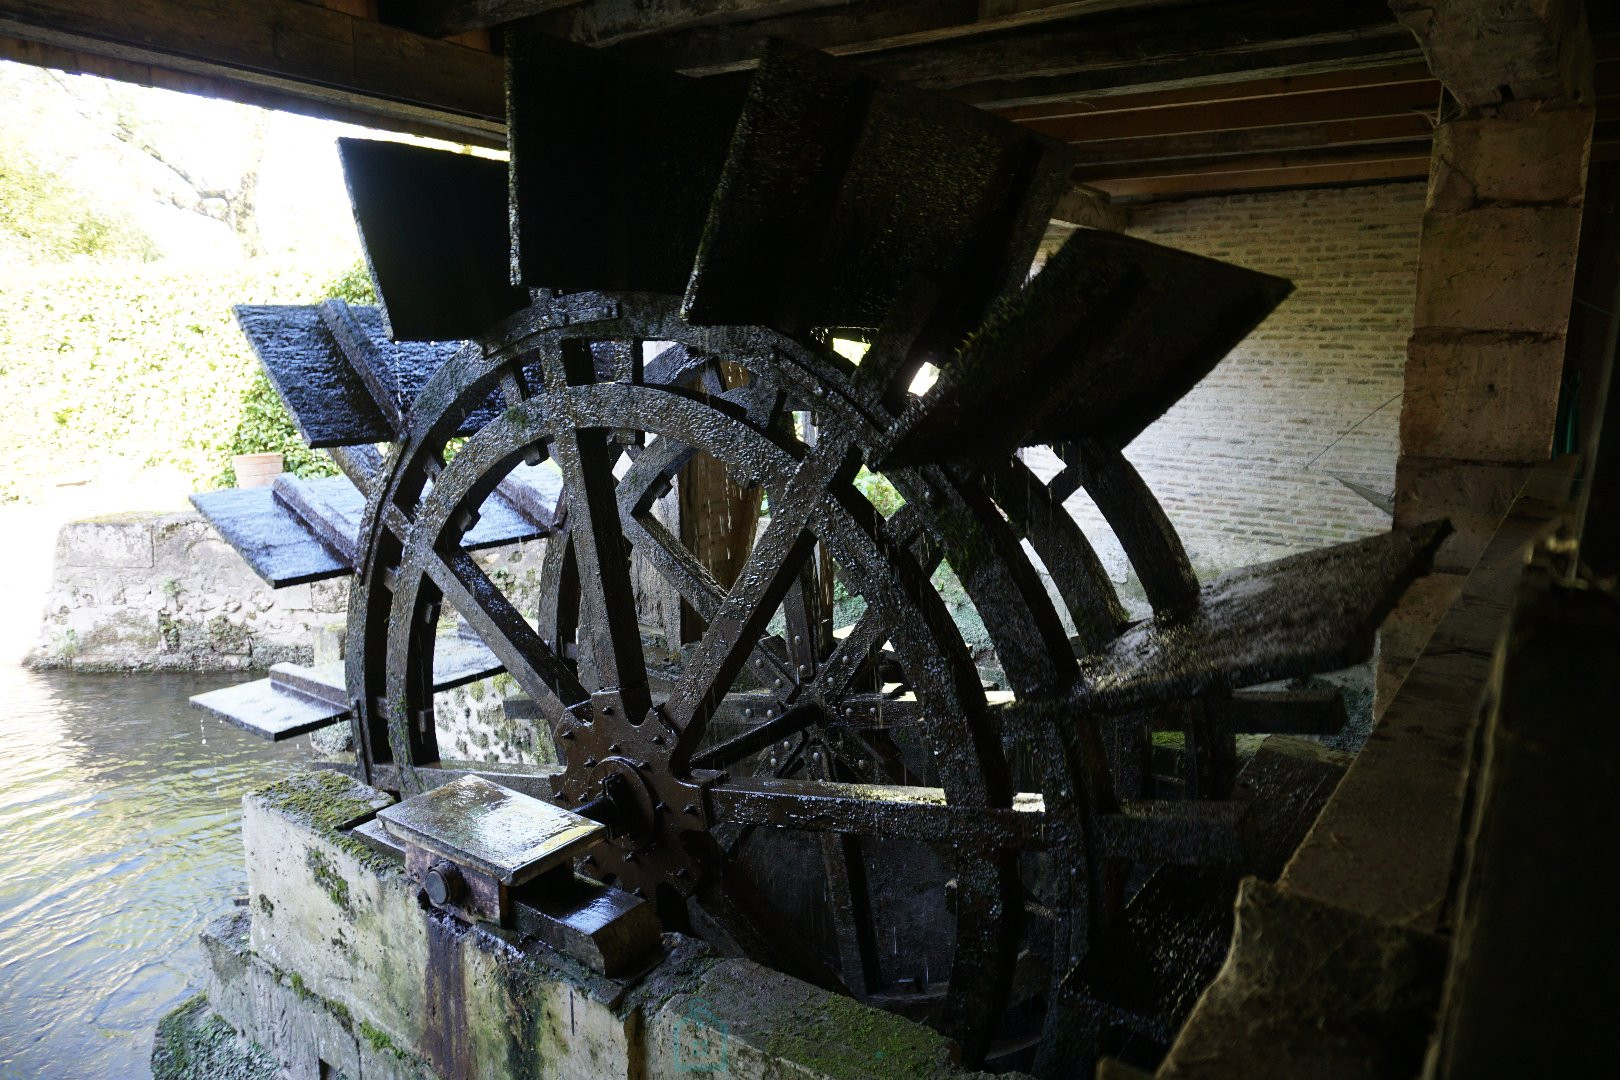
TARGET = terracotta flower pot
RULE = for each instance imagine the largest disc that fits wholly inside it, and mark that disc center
(256, 470)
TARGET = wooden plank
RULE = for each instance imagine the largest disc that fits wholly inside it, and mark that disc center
(1108, 122)
(1131, 38)
(843, 29)
(1113, 178)
(1267, 179)
(1191, 70)
(1152, 151)
(1346, 78)
(447, 18)
(323, 57)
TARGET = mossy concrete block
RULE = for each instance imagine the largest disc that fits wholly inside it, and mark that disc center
(335, 964)
(747, 1022)
(328, 907)
(193, 1043)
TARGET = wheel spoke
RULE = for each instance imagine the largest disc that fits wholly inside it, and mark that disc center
(772, 568)
(602, 554)
(526, 657)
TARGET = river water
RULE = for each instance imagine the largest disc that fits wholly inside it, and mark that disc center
(119, 839)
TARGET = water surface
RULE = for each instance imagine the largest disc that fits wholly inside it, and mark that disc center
(119, 839)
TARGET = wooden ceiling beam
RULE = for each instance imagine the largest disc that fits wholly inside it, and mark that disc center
(946, 44)
(1185, 72)
(845, 29)
(1315, 174)
(1107, 177)
(1349, 78)
(332, 62)
(1394, 99)
(447, 18)
(1148, 153)
(1132, 37)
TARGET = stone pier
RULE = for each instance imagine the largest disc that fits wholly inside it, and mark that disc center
(1496, 274)
(334, 968)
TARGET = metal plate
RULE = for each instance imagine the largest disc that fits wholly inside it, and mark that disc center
(330, 402)
(268, 710)
(838, 190)
(270, 539)
(491, 829)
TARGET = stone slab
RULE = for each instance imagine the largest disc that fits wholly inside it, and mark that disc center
(1481, 397)
(1385, 844)
(1539, 157)
(1473, 495)
(1498, 268)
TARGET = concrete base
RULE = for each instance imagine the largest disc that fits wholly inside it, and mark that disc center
(334, 968)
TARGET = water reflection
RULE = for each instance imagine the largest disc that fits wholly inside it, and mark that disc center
(119, 810)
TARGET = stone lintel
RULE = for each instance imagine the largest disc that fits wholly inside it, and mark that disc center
(1481, 396)
(1504, 51)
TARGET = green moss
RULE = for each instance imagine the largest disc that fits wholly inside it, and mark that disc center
(842, 1038)
(327, 801)
(267, 905)
(193, 1042)
(327, 877)
(380, 1042)
(336, 1008)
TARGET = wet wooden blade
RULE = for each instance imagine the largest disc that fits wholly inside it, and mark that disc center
(1111, 333)
(434, 227)
(1307, 613)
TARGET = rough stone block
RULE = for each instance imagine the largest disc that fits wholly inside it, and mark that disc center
(745, 1021)
(1473, 494)
(122, 540)
(1536, 158)
(1407, 630)
(1498, 268)
(1482, 397)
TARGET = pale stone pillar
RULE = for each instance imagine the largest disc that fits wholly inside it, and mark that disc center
(1496, 273)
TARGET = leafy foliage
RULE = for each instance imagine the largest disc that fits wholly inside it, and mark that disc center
(140, 365)
(43, 219)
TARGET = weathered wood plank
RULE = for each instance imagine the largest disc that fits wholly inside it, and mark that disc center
(324, 57)
(1378, 130)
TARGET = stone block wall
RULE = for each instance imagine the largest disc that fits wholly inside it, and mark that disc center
(1246, 464)
(155, 592)
(163, 592)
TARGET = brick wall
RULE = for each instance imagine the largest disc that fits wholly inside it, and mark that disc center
(1245, 465)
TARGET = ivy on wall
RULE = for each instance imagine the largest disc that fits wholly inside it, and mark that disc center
(136, 365)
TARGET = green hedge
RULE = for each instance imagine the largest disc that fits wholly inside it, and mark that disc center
(143, 364)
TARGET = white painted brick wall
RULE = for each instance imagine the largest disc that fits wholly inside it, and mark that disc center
(1232, 463)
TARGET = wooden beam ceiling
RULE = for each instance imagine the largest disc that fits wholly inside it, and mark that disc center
(1163, 98)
